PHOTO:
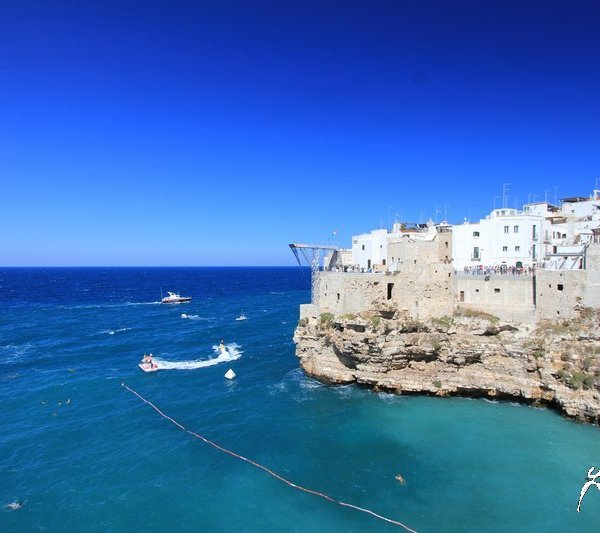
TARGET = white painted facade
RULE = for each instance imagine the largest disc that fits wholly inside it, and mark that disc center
(505, 237)
(370, 249)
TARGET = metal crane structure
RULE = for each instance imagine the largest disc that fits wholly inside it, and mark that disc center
(312, 255)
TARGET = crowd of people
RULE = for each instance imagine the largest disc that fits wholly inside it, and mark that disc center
(498, 270)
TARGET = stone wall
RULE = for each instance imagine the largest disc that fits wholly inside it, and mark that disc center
(559, 293)
(510, 298)
(591, 295)
(420, 291)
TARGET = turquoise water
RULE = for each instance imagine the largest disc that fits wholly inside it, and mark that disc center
(106, 462)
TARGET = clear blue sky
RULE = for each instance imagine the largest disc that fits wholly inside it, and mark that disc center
(214, 133)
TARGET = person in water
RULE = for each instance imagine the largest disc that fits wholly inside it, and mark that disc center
(15, 505)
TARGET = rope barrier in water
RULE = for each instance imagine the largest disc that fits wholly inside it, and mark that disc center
(267, 470)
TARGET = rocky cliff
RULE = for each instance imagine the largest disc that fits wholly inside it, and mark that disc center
(556, 364)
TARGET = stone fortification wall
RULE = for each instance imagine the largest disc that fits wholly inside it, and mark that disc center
(591, 295)
(510, 298)
(405, 253)
(419, 291)
(559, 293)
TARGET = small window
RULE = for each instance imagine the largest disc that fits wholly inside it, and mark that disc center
(446, 243)
(505, 248)
(476, 290)
(383, 262)
(475, 234)
(390, 290)
(516, 229)
(517, 248)
(560, 286)
(461, 296)
(363, 246)
(381, 246)
(496, 290)
(338, 296)
(506, 228)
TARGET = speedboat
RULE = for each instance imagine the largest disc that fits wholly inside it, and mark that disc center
(174, 298)
(147, 364)
(148, 367)
(242, 317)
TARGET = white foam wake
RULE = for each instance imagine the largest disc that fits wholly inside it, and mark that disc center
(233, 353)
(190, 317)
(113, 331)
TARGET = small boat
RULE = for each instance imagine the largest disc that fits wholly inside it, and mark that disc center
(174, 298)
(147, 364)
(242, 317)
(148, 367)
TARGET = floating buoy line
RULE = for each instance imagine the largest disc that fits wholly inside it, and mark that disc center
(267, 470)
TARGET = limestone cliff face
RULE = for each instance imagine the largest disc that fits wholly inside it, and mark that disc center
(555, 364)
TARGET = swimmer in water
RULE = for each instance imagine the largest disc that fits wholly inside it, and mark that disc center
(400, 479)
(15, 505)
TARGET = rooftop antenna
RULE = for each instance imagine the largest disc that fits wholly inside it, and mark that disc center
(517, 200)
(389, 226)
(505, 191)
(555, 196)
(437, 211)
(446, 206)
(423, 213)
(495, 198)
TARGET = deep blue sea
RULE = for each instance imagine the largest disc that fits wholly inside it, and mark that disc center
(83, 454)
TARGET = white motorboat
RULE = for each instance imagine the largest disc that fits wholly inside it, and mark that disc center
(147, 364)
(242, 317)
(148, 367)
(174, 298)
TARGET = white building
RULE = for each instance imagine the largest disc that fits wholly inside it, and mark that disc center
(369, 250)
(542, 235)
(505, 237)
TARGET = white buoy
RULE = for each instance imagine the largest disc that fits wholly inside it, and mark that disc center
(230, 374)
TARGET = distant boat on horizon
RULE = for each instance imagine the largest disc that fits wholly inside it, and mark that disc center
(242, 316)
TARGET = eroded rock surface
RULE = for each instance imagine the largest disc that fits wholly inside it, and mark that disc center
(553, 364)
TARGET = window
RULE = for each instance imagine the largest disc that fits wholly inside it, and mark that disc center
(506, 228)
(383, 262)
(461, 296)
(517, 248)
(505, 248)
(390, 290)
(560, 287)
(475, 234)
(496, 290)
(533, 251)
(534, 232)
(381, 246)
(516, 229)
(338, 296)
(476, 252)
(363, 246)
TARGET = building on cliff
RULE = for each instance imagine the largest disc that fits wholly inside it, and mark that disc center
(539, 263)
(541, 235)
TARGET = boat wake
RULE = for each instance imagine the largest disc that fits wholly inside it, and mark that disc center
(233, 353)
(190, 317)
